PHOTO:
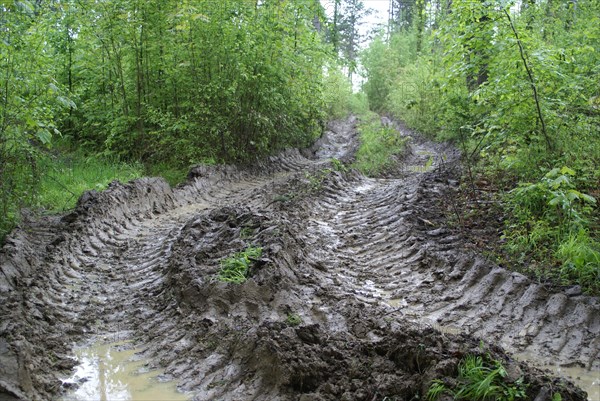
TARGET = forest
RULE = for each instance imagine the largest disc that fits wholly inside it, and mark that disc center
(299, 200)
(103, 89)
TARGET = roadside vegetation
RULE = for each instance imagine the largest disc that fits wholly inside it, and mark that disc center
(66, 176)
(515, 87)
(379, 144)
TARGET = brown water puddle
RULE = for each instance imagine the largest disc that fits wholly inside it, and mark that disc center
(589, 380)
(116, 372)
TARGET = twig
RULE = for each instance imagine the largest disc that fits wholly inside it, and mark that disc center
(531, 81)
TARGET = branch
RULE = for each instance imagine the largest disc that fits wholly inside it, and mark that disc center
(531, 81)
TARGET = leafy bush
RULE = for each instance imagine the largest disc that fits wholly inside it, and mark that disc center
(553, 216)
(555, 199)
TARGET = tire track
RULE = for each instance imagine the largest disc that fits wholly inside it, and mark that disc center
(135, 262)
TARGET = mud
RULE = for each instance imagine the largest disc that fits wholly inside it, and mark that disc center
(369, 268)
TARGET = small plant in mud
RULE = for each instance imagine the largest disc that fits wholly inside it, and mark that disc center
(479, 379)
(293, 319)
(338, 165)
(235, 268)
(316, 179)
(246, 232)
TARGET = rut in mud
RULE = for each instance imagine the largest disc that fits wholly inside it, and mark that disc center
(367, 264)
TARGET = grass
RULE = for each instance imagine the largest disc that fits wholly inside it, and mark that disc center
(480, 379)
(293, 319)
(64, 178)
(173, 175)
(378, 145)
(236, 268)
(56, 182)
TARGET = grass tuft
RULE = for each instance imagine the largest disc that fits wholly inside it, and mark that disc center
(236, 268)
(293, 319)
(480, 379)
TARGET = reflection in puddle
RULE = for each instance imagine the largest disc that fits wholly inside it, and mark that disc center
(113, 372)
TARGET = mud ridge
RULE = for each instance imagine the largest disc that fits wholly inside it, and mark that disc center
(357, 278)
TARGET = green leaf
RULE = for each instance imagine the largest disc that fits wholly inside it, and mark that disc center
(587, 198)
(44, 136)
(66, 102)
(558, 181)
(567, 170)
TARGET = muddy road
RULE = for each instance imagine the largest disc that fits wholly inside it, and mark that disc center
(362, 292)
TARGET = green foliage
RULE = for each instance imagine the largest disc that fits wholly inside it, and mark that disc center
(580, 261)
(190, 82)
(31, 100)
(169, 84)
(517, 89)
(293, 319)
(384, 64)
(555, 199)
(236, 268)
(174, 174)
(338, 165)
(554, 216)
(337, 94)
(66, 177)
(62, 179)
(359, 103)
(436, 389)
(480, 379)
(315, 179)
(378, 145)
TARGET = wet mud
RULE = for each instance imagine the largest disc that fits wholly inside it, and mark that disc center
(363, 290)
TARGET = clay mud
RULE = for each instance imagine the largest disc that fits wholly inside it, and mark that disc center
(357, 280)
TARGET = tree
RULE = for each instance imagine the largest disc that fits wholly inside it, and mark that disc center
(31, 100)
(345, 34)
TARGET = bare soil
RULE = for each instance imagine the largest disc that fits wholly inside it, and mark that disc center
(378, 278)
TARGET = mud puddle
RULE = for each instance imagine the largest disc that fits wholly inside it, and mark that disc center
(588, 380)
(116, 372)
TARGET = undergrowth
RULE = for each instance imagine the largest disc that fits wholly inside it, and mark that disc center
(173, 174)
(378, 145)
(58, 181)
(66, 177)
(551, 225)
(236, 268)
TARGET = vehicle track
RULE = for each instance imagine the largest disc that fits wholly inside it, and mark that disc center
(355, 257)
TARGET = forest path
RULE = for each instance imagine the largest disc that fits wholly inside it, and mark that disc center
(355, 258)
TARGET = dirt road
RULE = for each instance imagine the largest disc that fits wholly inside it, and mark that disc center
(368, 268)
